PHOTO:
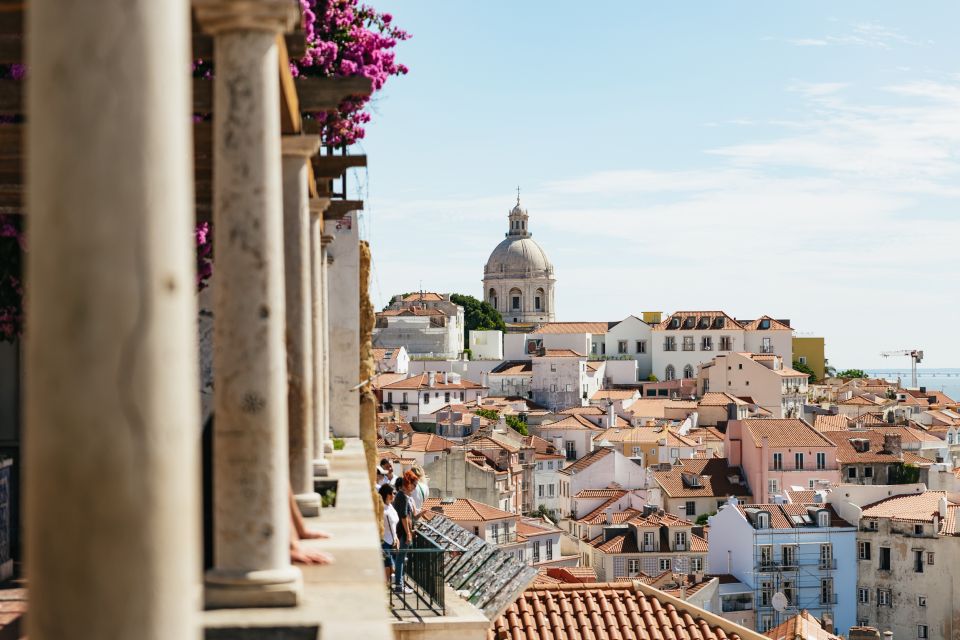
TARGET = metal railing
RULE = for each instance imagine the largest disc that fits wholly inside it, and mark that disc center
(689, 346)
(423, 567)
(504, 538)
(766, 348)
(827, 563)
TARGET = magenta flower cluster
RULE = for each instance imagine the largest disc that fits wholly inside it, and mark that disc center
(345, 38)
(204, 239)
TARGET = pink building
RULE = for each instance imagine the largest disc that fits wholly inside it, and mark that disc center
(780, 454)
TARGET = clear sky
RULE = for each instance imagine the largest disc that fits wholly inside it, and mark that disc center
(796, 159)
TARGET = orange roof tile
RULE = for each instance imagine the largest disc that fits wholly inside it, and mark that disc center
(425, 296)
(783, 433)
(775, 325)
(718, 399)
(847, 453)
(915, 507)
(838, 422)
(560, 353)
(427, 442)
(802, 626)
(573, 327)
(586, 461)
(421, 382)
(711, 474)
(583, 411)
(465, 509)
(604, 611)
(570, 422)
(709, 316)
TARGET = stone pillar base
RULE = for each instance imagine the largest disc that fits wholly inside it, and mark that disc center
(328, 446)
(321, 468)
(309, 504)
(248, 589)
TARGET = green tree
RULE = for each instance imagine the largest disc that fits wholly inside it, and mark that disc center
(802, 368)
(517, 425)
(702, 518)
(852, 373)
(489, 414)
(477, 314)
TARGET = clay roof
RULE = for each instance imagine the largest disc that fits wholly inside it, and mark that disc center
(411, 311)
(604, 611)
(914, 507)
(561, 353)
(425, 296)
(718, 399)
(465, 509)
(385, 379)
(802, 497)
(782, 515)
(427, 442)
(421, 382)
(729, 322)
(783, 433)
(838, 422)
(656, 407)
(570, 422)
(848, 454)
(644, 434)
(613, 394)
(535, 527)
(573, 327)
(775, 325)
(907, 434)
(586, 461)
(862, 401)
(712, 474)
(572, 575)
(802, 626)
(512, 368)
(600, 493)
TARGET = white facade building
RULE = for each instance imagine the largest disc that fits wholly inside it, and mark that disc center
(486, 344)
(631, 338)
(518, 280)
(424, 323)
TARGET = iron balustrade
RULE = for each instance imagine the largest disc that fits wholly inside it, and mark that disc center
(424, 567)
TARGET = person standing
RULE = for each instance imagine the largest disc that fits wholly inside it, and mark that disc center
(403, 504)
(390, 542)
(421, 493)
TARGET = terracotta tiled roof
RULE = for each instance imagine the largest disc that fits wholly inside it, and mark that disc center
(718, 399)
(613, 394)
(838, 422)
(915, 507)
(586, 461)
(572, 575)
(775, 325)
(781, 515)
(801, 497)
(421, 382)
(411, 311)
(604, 611)
(848, 454)
(951, 526)
(711, 316)
(802, 626)
(783, 433)
(862, 401)
(644, 434)
(712, 475)
(530, 527)
(425, 296)
(384, 379)
(561, 353)
(656, 407)
(427, 442)
(908, 435)
(600, 493)
(465, 509)
(570, 422)
(573, 327)
(658, 519)
(512, 368)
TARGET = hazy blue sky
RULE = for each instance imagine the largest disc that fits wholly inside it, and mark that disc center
(800, 160)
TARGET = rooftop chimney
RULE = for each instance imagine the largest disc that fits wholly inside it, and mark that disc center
(888, 635)
(446, 378)
(942, 506)
(431, 379)
(892, 444)
(611, 417)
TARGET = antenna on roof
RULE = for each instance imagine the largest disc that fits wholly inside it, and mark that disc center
(518, 194)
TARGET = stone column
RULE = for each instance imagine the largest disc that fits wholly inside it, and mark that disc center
(325, 260)
(344, 326)
(251, 474)
(317, 207)
(111, 411)
(301, 351)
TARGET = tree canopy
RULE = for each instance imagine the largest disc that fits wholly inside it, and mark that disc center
(852, 373)
(477, 314)
(803, 368)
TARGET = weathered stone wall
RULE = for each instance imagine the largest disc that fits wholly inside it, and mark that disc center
(368, 402)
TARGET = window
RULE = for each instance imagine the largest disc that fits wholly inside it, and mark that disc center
(696, 564)
(446, 397)
(515, 303)
(823, 518)
(550, 490)
(767, 346)
(688, 343)
(549, 549)
(571, 448)
(621, 346)
(688, 372)
(917, 561)
(766, 622)
(670, 343)
(690, 508)
(539, 490)
(922, 631)
(641, 346)
(680, 541)
(536, 303)
(426, 397)
(921, 601)
(863, 550)
(798, 460)
(773, 486)
(851, 472)
(826, 556)
(637, 452)
(803, 359)
(884, 598)
(868, 472)
(872, 525)
(766, 593)
(826, 591)
(726, 343)
(930, 557)
(777, 461)
(821, 460)
(664, 564)
(648, 541)
(536, 551)
(670, 373)
(918, 529)
(788, 554)
(549, 465)
(766, 555)
(706, 344)
(789, 591)
(633, 566)
(884, 559)
(863, 595)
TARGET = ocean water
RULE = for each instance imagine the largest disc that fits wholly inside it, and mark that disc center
(946, 380)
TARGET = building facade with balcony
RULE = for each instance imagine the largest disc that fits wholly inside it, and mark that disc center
(803, 551)
(908, 548)
(779, 454)
(764, 378)
(687, 339)
(429, 392)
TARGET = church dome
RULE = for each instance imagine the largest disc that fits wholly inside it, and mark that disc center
(518, 256)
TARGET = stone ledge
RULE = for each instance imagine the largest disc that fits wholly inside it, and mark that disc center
(347, 599)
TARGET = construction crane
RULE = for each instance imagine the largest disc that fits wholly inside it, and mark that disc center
(916, 356)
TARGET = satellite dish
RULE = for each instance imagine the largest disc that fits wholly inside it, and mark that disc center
(779, 601)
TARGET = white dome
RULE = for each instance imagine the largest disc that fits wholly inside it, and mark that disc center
(518, 256)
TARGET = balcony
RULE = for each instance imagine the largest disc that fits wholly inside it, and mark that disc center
(689, 347)
(828, 599)
(669, 346)
(504, 538)
(827, 564)
(766, 348)
(706, 347)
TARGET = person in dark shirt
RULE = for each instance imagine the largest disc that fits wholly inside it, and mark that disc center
(403, 504)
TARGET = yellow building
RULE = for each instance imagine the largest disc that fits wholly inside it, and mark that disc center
(810, 351)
